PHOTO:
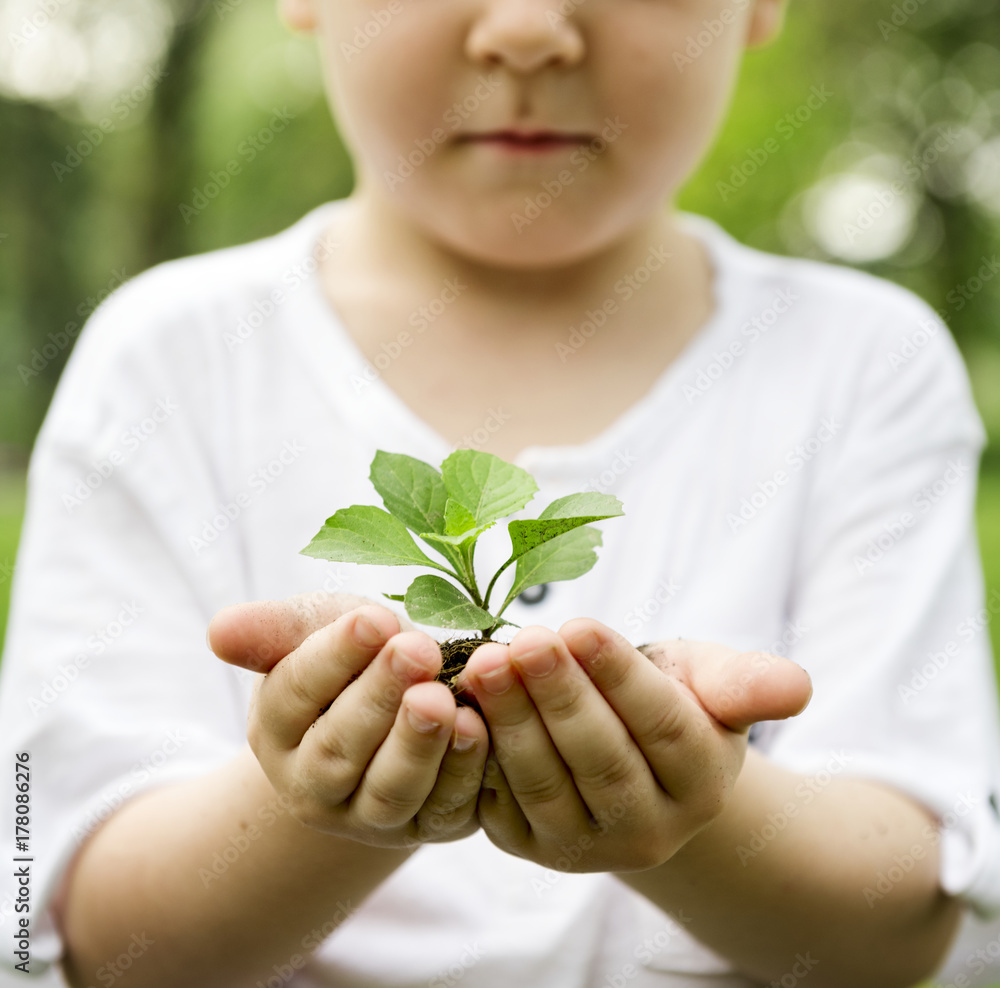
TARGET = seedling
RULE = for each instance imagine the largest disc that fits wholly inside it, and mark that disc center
(448, 510)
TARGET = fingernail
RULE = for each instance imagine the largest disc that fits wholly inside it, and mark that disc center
(366, 634)
(498, 681)
(538, 662)
(421, 724)
(586, 646)
(208, 639)
(464, 744)
(406, 667)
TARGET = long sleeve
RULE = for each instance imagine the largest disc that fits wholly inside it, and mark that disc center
(889, 607)
(107, 683)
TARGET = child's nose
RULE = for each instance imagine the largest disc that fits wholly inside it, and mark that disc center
(525, 35)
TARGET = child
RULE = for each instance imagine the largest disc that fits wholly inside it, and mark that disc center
(509, 274)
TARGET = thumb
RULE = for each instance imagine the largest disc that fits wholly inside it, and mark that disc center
(256, 634)
(741, 688)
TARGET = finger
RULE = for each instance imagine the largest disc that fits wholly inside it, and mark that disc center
(538, 777)
(759, 686)
(256, 634)
(662, 714)
(498, 811)
(293, 694)
(450, 809)
(405, 768)
(340, 743)
(737, 688)
(589, 735)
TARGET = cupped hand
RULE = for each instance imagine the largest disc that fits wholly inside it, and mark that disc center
(605, 758)
(346, 720)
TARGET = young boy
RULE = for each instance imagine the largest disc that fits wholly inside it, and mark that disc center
(509, 274)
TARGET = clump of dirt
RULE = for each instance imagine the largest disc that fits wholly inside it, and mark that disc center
(454, 654)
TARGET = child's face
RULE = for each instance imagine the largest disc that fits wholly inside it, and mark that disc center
(643, 83)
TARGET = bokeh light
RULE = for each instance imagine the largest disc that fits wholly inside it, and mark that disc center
(80, 54)
(857, 216)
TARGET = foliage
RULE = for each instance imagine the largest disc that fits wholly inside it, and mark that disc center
(449, 509)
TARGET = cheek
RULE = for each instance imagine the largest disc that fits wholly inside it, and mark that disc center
(395, 89)
(672, 108)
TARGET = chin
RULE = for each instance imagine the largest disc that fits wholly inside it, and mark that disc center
(505, 238)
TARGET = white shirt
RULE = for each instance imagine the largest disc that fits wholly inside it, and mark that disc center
(800, 479)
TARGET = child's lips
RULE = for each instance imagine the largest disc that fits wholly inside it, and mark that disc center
(527, 141)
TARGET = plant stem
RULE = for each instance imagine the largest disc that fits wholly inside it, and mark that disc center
(462, 572)
(467, 554)
(489, 589)
(445, 569)
(453, 554)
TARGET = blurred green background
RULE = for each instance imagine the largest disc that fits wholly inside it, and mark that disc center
(850, 98)
(114, 112)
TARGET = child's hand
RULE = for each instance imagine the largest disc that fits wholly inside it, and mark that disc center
(603, 760)
(368, 768)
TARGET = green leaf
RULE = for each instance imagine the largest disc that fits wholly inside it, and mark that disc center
(411, 490)
(414, 492)
(366, 534)
(395, 596)
(485, 485)
(587, 503)
(563, 558)
(500, 622)
(561, 516)
(457, 518)
(432, 600)
(460, 539)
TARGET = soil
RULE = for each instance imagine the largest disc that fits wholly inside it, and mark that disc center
(454, 654)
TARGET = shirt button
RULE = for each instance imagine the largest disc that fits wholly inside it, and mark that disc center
(533, 595)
